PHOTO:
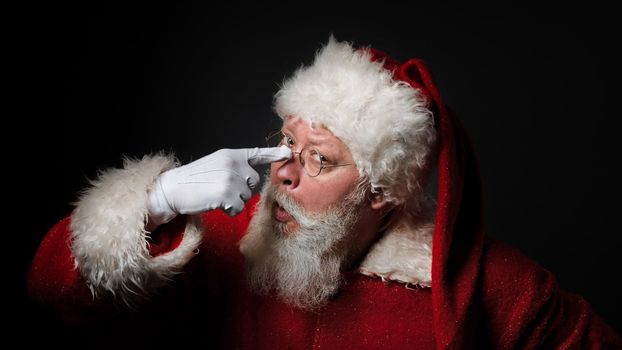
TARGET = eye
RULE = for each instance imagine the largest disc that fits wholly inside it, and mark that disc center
(319, 157)
(288, 140)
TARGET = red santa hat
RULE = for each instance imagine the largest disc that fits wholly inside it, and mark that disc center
(368, 102)
(393, 119)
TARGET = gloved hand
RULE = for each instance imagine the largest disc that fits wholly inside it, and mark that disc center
(224, 179)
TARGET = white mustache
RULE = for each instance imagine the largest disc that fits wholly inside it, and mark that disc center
(292, 207)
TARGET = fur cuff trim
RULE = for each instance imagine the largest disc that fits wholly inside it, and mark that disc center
(404, 254)
(109, 241)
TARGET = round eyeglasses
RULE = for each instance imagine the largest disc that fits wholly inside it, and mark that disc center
(312, 161)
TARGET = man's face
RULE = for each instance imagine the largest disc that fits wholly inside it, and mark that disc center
(306, 229)
(314, 194)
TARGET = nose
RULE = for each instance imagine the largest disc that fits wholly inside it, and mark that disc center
(286, 174)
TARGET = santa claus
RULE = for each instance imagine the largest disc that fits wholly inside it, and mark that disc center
(342, 248)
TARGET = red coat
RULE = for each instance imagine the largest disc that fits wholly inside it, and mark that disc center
(367, 313)
(484, 294)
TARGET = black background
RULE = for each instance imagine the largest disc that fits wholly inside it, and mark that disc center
(536, 88)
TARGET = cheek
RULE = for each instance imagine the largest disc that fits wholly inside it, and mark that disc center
(318, 196)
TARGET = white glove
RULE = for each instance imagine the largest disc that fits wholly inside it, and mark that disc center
(224, 179)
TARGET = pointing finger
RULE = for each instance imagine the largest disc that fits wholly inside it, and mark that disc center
(258, 156)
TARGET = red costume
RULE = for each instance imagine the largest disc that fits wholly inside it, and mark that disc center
(484, 294)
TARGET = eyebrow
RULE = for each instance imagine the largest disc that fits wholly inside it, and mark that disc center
(332, 147)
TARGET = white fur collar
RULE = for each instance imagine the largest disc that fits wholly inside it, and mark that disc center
(403, 254)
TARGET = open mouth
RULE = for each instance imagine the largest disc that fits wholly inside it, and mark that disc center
(280, 214)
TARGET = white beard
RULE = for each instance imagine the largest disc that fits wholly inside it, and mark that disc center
(301, 267)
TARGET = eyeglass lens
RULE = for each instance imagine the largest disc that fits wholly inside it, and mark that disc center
(310, 158)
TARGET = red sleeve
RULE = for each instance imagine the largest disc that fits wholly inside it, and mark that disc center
(167, 237)
(55, 281)
(529, 311)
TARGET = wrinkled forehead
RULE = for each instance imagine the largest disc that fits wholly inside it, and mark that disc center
(316, 134)
(305, 126)
(312, 130)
